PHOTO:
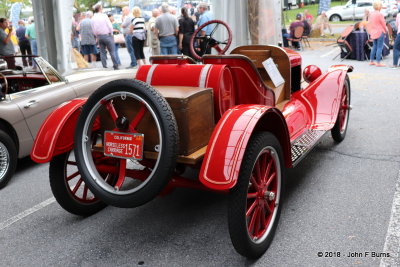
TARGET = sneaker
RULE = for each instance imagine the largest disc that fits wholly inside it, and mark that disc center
(323, 36)
(371, 63)
(131, 67)
(380, 65)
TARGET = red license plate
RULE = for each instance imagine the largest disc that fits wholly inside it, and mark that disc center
(123, 145)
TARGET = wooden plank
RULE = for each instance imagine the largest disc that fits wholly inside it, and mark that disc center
(191, 159)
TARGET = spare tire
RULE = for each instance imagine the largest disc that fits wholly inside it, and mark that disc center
(127, 108)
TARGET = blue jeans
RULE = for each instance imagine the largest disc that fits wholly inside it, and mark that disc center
(107, 41)
(117, 55)
(396, 50)
(129, 46)
(168, 45)
(34, 50)
(33, 46)
(377, 49)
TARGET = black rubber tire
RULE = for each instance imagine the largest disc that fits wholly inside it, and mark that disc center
(59, 187)
(335, 16)
(337, 134)
(167, 158)
(9, 150)
(237, 222)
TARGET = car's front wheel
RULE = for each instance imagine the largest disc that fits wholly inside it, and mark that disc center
(339, 130)
(8, 158)
(335, 18)
(255, 201)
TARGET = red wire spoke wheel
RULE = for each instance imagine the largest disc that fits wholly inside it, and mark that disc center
(255, 202)
(340, 128)
(209, 40)
(126, 110)
(70, 190)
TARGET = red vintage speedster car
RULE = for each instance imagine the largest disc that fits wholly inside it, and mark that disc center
(135, 139)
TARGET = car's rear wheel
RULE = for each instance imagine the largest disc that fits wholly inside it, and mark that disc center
(8, 158)
(340, 128)
(255, 201)
(127, 109)
(335, 18)
(70, 190)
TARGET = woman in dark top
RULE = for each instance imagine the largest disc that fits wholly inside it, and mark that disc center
(186, 29)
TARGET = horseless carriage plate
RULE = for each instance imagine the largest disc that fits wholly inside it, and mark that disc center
(226, 115)
(123, 145)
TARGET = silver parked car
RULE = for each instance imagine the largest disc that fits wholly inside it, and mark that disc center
(356, 11)
(29, 95)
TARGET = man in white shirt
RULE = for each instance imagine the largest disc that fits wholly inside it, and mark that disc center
(103, 30)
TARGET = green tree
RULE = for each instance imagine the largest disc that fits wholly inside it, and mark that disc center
(5, 6)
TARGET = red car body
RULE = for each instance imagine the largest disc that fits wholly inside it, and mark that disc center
(313, 108)
(243, 104)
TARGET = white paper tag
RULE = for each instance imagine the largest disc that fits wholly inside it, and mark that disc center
(273, 72)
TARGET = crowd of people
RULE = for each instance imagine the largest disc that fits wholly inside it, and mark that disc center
(24, 38)
(306, 21)
(97, 35)
(164, 33)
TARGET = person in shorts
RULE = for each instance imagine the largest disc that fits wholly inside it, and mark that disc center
(88, 40)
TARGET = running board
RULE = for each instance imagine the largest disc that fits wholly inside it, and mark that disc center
(304, 144)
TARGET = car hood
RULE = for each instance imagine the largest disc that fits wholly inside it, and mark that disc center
(90, 74)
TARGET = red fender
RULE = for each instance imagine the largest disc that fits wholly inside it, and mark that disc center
(56, 135)
(225, 150)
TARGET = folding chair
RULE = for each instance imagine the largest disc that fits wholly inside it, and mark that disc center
(305, 40)
(390, 32)
(298, 35)
(345, 47)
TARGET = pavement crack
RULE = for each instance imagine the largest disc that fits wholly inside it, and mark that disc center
(378, 157)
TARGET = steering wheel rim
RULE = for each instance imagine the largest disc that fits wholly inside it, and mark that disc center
(5, 82)
(209, 38)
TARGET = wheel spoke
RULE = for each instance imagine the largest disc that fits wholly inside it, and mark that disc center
(270, 179)
(254, 182)
(121, 177)
(251, 195)
(252, 222)
(257, 221)
(267, 171)
(73, 163)
(267, 207)
(72, 176)
(111, 110)
(250, 210)
(258, 172)
(262, 219)
(85, 191)
(138, 118)
(78, 184)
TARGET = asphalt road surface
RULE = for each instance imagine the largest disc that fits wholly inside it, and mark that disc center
(342, 198)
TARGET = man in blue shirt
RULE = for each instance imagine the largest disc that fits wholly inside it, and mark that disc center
(205, 16)
(23, 42)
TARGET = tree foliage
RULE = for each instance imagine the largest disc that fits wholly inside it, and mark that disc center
(83, 5)
(5, 6)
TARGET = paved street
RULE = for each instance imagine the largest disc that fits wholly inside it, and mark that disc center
(339, 200)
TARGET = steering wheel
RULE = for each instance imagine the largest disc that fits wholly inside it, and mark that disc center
(5, 83)
(209, 40)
